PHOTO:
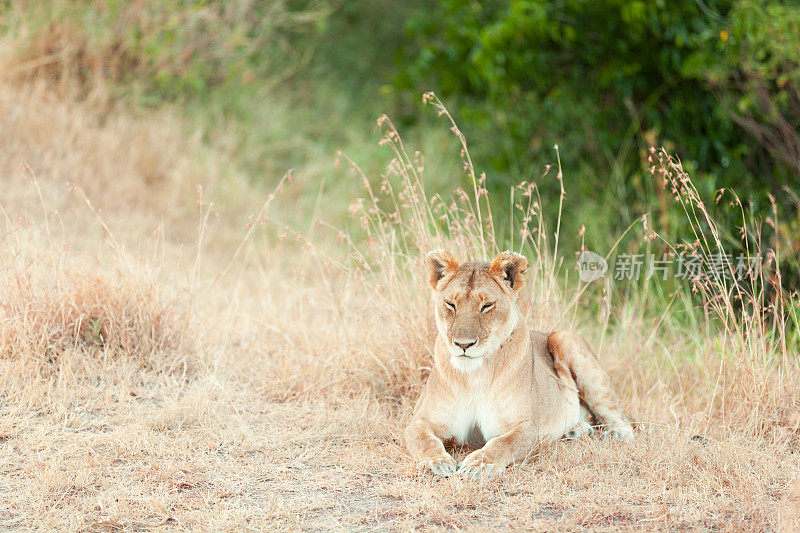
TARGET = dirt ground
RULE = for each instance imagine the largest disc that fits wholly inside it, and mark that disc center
(214, 453)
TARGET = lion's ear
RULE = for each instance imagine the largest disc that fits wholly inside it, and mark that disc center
(441, 267)
(509, 269)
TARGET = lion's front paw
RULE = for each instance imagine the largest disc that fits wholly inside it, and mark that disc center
(479, 465)
(580, 429)
(621, 432)
(441, 466)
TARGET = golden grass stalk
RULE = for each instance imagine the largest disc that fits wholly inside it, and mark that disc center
(744, 305)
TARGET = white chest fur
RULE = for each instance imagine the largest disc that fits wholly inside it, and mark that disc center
(475, 412)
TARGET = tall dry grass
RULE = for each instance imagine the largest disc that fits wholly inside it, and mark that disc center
(749, 373)
(48, 313)
(747, 306)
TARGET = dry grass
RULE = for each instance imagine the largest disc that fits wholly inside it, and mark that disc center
(305, 363)
(96, 316)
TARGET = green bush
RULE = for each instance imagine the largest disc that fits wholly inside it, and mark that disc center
(715, 80)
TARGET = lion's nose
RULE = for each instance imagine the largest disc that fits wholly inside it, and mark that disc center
(464, 345)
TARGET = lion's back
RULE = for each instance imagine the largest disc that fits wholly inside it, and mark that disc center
(539, 352)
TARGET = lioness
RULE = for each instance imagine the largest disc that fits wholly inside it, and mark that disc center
(494, 381)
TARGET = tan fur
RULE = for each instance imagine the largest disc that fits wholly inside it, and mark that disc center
(494, 381)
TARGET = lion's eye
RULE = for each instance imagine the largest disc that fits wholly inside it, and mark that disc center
(450, 305)
(486, 307)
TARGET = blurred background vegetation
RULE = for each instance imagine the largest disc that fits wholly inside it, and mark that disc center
(285, 84)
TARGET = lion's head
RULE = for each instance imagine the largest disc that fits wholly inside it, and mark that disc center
(476, 307)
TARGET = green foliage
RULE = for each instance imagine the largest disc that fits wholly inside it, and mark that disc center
(715, 80)
(759, 81)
